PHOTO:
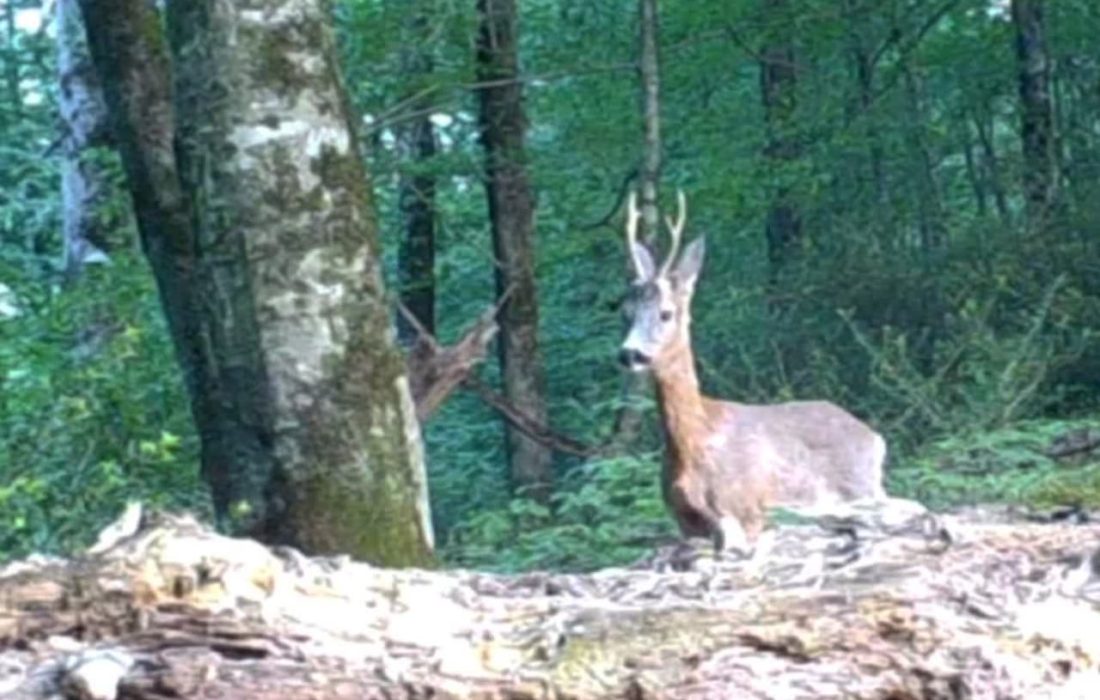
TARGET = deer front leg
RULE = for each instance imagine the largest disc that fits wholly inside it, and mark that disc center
(739, 533)
(729, 534)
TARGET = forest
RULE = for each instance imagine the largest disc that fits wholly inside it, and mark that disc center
(232, 234)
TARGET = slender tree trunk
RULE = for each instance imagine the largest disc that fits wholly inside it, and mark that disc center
(973, 173)
(929, 206)
(261, 239)
(650, 73)
(778, 87)
(864, 64)
(416, 254)
(84, 178)
(511, 212)
(628, 422)
(991, 165)
(1076, 116)
(14, 99)
(134, 69)
(1036, 109)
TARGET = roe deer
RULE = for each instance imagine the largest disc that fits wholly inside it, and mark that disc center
(726, 463)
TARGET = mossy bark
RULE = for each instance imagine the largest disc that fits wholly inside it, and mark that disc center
(321, 444)
(256, 218)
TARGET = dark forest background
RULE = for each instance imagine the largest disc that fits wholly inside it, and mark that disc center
(901, 200)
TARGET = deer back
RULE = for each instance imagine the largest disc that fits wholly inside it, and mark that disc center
(797, 453)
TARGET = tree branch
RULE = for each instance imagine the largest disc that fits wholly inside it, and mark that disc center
(519, 420)
(624, 187)
(435, 371)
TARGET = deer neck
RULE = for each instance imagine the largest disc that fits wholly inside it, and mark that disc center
(683, 416)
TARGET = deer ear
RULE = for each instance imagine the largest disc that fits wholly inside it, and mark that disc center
(687, 269)
(644, 260)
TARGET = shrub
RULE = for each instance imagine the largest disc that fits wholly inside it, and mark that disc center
(92, 412)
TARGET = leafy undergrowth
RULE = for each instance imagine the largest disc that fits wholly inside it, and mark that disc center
(1040, 463)
(610, 512)
(605, 513)
(92, 413)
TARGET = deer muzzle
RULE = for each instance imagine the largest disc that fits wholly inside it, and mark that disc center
(634, 360)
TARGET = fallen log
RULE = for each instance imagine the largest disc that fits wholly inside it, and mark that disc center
(885, 603)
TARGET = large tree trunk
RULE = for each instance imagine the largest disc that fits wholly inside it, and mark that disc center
(778, 85)
(416, 254)
(1036, 109)
(84, 178)
(265, 252)
(512, 212)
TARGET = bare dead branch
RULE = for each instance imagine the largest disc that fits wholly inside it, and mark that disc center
(435, 371)
(624, 188)
(528, 426)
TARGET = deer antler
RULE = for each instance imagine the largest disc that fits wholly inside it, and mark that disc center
(632, 216)
(676, 231)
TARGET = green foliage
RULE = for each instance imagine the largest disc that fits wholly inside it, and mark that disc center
(919, 297)
(605, 513)
(1013, 464)
(980, 374)
(29, 181)
(92, 412)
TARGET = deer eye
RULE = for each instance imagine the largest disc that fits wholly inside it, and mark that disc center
(666, 315)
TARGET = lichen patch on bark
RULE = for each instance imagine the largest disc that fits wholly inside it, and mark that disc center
(287, 199)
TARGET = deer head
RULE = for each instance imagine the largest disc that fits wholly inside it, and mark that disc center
(658, 305)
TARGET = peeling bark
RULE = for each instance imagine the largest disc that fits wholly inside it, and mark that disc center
(84, 178)
(872, 605)
(512, 214)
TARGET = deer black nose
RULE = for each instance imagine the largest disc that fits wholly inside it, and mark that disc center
(632, 358)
